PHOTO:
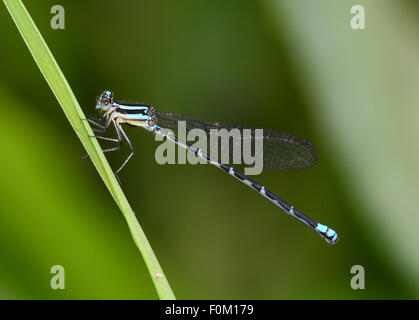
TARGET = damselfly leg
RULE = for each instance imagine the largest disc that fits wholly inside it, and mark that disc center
(96, 121)
(120, 135)
(119, 130)
(103, 129)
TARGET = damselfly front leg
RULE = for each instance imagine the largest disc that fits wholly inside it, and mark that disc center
(103, 129)
(118, 139)
(95, 121)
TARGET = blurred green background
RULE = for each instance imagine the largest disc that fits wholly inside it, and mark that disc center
(292, 65)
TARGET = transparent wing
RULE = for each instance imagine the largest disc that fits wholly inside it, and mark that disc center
(281, 151)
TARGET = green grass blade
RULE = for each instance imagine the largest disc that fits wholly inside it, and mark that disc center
(59, 86)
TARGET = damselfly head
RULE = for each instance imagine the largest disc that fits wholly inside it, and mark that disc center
(104, 103)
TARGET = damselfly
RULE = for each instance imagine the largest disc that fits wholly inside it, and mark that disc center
(280, 151)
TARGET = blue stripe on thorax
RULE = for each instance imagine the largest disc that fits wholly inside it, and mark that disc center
(136, 116)
(140, 108)
(133, 112)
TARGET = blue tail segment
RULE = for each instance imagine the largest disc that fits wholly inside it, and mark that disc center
(328, 234)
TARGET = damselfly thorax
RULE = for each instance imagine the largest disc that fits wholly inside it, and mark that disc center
(134, 115)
